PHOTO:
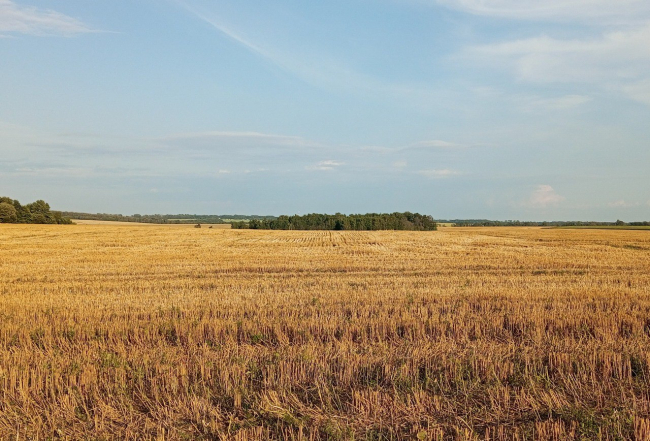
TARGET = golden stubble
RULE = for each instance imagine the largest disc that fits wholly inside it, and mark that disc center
(464, 333)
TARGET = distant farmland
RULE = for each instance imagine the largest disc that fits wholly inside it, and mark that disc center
(171, 332)
(137, 224)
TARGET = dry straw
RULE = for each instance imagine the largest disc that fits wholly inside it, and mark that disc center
(182, 333)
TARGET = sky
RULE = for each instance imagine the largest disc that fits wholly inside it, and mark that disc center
(498, 109)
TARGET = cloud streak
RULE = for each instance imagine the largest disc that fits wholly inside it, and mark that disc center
(565, 102)
(314, 73)
(312, 66)
(15, 19)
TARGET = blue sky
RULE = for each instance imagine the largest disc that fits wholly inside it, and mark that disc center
(503, 109)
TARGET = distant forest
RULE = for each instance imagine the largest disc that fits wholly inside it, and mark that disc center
(13, 212)
(165, 218)
(372, 221)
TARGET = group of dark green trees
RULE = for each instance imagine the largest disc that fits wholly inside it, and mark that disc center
(12, 212)
(372, 221)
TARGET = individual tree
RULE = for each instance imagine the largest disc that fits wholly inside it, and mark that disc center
(8, 213)
(40, 211)
(24, 215)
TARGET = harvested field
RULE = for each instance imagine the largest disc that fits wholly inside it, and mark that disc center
(612, 227)
(179, 333)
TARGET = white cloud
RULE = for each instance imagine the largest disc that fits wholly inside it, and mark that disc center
(619, 56)
(544, 196)
(326, 165)
(15, 19)
(439, 174)
(615, 61)
(590, 11)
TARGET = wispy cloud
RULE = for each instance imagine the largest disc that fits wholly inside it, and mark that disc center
(590, 11)
(218, 153)
(227, 31)
(16, 19)
(615, 61)
(620, 55)
(312, 72)
(317, 67)
(326, 165)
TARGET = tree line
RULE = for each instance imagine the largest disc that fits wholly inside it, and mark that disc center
(13, 212)
(371, 221)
